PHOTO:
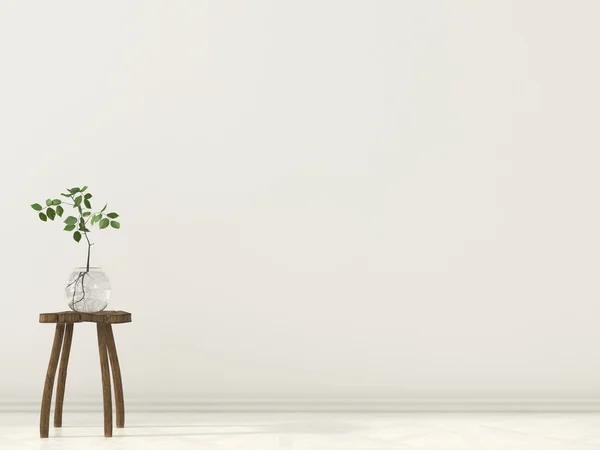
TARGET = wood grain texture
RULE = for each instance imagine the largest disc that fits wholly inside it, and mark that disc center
(116, 376)
(102, 347)
(62, 374)
(112, 317)
(49, 383)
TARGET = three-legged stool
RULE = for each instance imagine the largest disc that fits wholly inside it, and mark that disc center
(106, 345)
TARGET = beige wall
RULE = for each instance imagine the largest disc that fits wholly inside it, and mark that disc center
(338, 199)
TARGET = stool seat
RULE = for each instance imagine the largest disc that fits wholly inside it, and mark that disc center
(63, 335)
(96, 317)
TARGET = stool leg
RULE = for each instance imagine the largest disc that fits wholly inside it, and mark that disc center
(102, 334)
(62, 375)
(49, 384)
(116, 375)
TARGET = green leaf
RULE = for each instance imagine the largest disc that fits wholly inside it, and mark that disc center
(56, 201)
(87, 204)
(48, 202)
(96, 218)
(102, 210)
(115, 224)
(50, 213)
(104, 223)
(43, 217)
(78, 200)
(77, 236)
(88, 195)
(113, 215)
(59, 210)
(87, 213)
(37, 206)
(83, 188)
(69, 228)
(71, 220)
(65, 195)
(74, 190)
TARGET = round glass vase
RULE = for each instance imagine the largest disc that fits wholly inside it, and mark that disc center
(88, 290)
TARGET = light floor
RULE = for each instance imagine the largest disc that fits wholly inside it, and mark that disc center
(319, 431)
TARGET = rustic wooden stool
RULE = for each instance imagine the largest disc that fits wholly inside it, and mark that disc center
(106, 344)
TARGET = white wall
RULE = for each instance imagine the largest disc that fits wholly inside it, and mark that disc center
(319, 199)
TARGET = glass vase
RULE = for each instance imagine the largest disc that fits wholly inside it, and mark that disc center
(88, 290)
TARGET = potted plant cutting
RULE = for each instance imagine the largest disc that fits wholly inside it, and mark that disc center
(88, 288)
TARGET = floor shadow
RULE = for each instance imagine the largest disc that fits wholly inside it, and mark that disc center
(119, 436)
(221, 430)
(191, 425)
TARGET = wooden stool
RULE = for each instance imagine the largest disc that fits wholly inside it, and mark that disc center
(106, 344)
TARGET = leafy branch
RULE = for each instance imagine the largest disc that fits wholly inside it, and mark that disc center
(82, 217)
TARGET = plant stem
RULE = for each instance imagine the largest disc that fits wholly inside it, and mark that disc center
(87, 267)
